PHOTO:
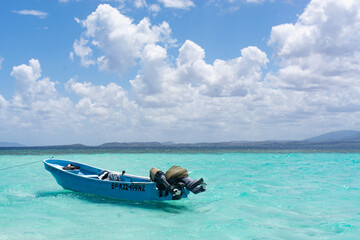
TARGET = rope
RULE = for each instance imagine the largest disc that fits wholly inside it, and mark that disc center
(19, 165)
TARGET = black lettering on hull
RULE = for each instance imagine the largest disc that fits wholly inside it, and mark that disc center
(128, 187)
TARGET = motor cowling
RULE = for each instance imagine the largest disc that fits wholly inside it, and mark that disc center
(162, 184)
(177, 174)
(174, 181)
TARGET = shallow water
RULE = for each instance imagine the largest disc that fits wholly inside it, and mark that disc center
(249, 196)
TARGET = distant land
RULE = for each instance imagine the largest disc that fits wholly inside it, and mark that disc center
(339, 140)
(10, 144)
(338, 136)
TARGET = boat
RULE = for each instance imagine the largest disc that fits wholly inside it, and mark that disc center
(175, 184)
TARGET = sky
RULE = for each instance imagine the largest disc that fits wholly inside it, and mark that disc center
(91, 72)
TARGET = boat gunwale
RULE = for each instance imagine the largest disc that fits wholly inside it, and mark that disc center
(90, 178)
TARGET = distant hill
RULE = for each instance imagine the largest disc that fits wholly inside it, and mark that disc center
(130, 144)
(72, 146)
(10, 144)
(338, 136)
(340, 140)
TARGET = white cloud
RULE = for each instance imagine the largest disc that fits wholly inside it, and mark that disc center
(321, 49)
(35, 13)
(82, 50)
(36, 105)
(182, 4)
(38, 109)
(320, 64)
(118, 38)
(194, 94)
(155, 8)
(189, 99)
(103, 99)
(71, 56)
(30, 89)
(26, 75)
(3, 102)
(185, 98)
(140, 3)
(1, 62)
(231, 6)
(106, 110)
(160, 85)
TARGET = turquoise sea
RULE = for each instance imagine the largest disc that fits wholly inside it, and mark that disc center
(249, 196)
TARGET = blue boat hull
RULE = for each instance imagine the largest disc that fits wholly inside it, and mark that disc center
(85, 180)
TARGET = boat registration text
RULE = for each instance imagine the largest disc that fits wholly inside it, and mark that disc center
(128, 187)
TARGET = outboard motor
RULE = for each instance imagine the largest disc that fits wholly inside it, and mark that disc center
(162, 184)
(174, 181)
(195, 186)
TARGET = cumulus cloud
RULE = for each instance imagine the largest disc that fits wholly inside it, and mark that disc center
(27, 75)
(159, 80)
(185, 98)
(100, 100)
(38, 108)
(314, 62)
(192, 96)
(36, 104)
(320, 64)
(105, 111)
(35, 13)
(82, 50)
(170, 99)
(119, 40)
(321, 49)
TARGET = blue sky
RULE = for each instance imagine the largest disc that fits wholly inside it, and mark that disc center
(91, 72)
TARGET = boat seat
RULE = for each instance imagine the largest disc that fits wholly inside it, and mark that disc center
(91, 176)
(87, 174)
